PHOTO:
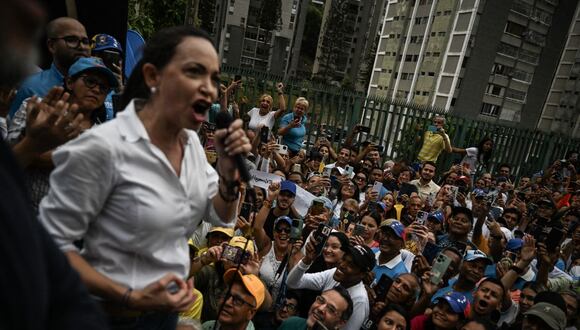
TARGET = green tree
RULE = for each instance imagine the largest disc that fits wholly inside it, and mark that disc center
(149, 16)
(206, 14)
(270, 15)
(334, 46)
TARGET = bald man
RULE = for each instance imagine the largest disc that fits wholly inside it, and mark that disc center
(67, 41)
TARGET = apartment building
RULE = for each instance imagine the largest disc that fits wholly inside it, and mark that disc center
(243, 42)
(481, 59)
(562, 109)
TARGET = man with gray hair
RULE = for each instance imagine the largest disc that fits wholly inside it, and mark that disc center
(435, 140)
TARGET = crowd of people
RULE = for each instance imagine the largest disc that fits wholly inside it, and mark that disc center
(136, 182)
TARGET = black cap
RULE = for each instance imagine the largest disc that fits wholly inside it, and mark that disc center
(462, 210)
(362, 256)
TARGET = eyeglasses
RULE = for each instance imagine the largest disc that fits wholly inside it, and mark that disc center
(283, 230)
(329, 308)
(238, 301)
(74, 42)
(290, 307)
(91, 83)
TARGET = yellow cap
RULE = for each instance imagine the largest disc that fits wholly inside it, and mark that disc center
(227, 231)
(251, 282)
(240, 242)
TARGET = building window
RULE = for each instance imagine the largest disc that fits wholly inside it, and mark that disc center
(417, 20)
(425, 93)
(433, 34)
(436, 54)
(427, 54)
(431, 74)
(408, 58)
(441, 34)
(515, 29)
(396, 18)
(447, 13)
(404, 76)
(495, 90)
(515, 95)
(491, 110)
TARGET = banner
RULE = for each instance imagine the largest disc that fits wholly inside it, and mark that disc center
(263, 179)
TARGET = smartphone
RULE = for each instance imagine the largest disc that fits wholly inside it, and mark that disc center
(245, 210)
(296, 168)
(421, 218)
(432, 128)
(235, 254)
(550, 236)
(359, 230)
(326, 172)
(454, 191)
(349, 171)
(321, 235)
(495, 212)
(110, 57)
(316, 208)
(382, 287)
(264, 134)
(208, 126)
(282, 149)
(440, 266)
(296, 229)
(364, 129)
(377, 186)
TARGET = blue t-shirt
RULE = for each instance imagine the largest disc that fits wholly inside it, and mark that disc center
(491, 273)
(295, 136)
(38, 84)
(443, 291)
(399, 269)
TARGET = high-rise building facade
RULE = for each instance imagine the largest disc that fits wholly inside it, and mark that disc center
(260, 34)
(361, 22)
(482, 59)
(562, 109)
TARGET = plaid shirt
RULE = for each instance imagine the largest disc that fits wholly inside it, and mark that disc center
(37, 179)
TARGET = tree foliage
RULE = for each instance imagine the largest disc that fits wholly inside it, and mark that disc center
(334, 47)
(149, 16)
(206, 14)
(270, 15)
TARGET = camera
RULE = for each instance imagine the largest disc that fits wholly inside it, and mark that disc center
(235, 254)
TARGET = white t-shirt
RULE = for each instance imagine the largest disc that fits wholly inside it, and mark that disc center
(471, 159)
(256, 119)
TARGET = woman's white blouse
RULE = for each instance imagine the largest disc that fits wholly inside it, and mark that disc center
(118, 192)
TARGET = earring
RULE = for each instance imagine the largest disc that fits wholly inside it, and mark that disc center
(153, 90)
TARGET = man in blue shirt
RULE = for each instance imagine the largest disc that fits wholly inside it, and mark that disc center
(471, 271)
(389, 260)
(67, 41)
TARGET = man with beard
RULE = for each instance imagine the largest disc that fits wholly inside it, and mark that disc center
(35, 275)
(246, 295)
(425, 184)
(331, 309)
(358, 260)
(284, 194)
(67, 42)
(470, 272)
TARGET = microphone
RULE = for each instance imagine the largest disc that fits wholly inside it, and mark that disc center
(223, 120)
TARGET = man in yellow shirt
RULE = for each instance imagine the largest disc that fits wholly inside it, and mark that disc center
(435, 140)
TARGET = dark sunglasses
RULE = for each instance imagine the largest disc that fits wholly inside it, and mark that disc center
(283, 230)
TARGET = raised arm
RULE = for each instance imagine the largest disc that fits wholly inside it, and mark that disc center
(281, 101)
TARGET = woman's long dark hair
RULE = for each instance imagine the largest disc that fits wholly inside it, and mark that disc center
(158, 51)
(484, 156)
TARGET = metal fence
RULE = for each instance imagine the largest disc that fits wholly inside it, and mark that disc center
(398, 126)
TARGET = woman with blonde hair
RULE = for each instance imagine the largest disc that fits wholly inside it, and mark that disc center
(263, 114)
(293, 126)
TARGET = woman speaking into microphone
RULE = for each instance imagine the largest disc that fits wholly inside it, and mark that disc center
(136, 188)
